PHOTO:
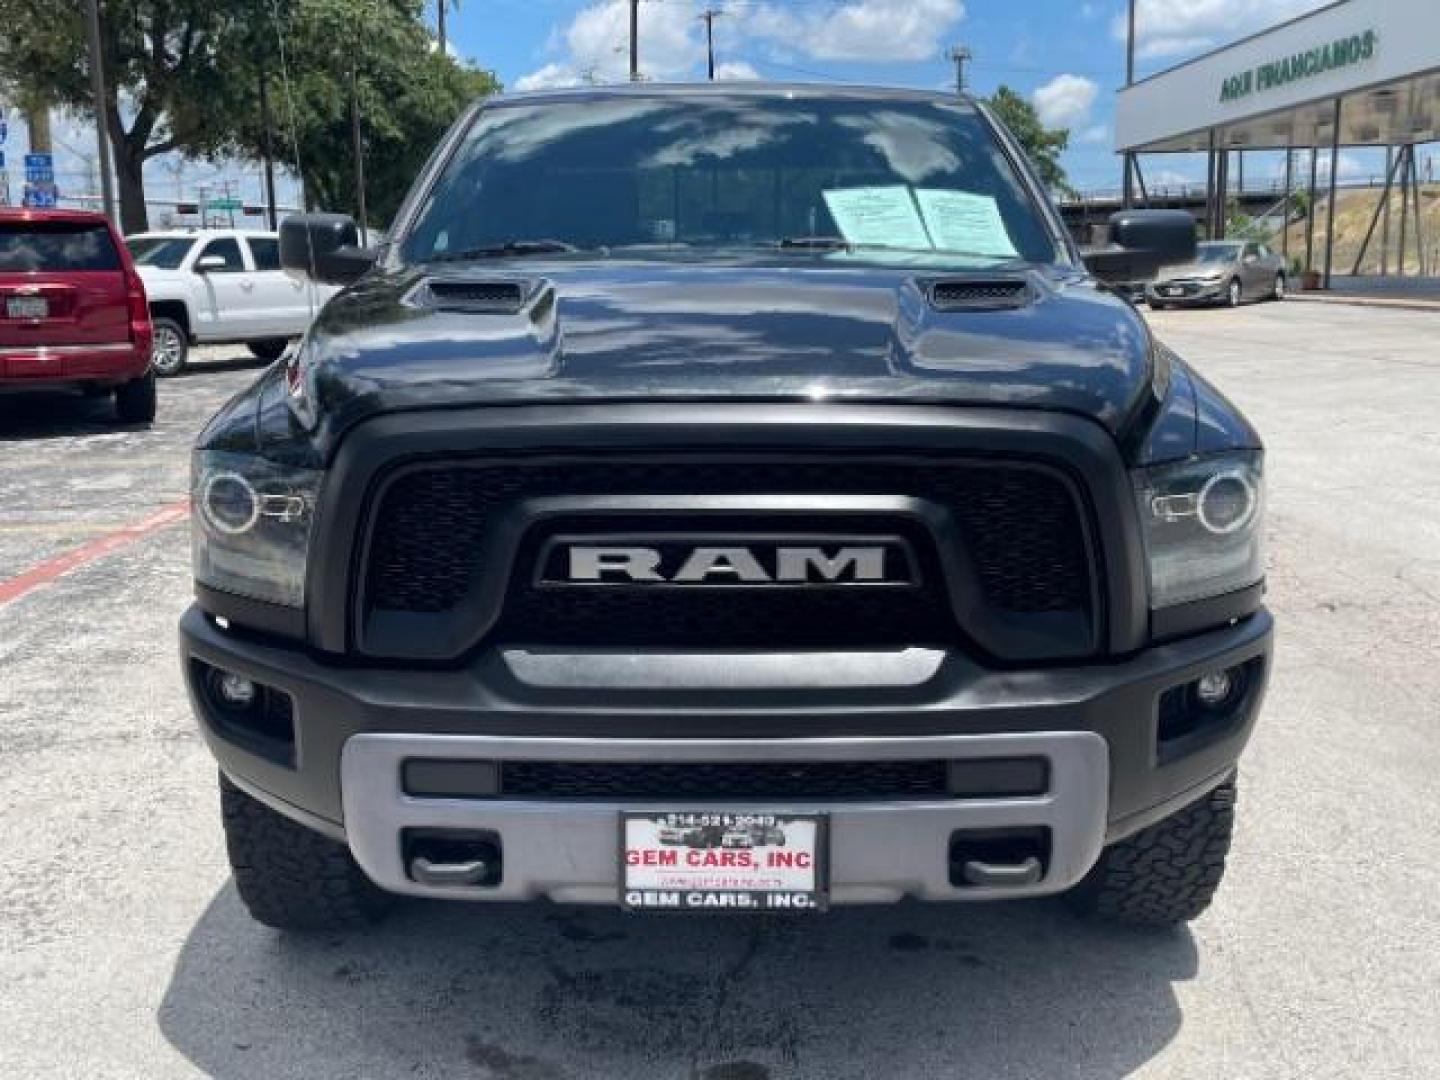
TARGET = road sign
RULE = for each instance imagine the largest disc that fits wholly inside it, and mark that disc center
(223, 204)
(2, 158)
(4, 129)
(40, 169)
(41, 196)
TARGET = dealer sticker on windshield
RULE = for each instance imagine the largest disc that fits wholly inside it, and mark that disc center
(722, 861)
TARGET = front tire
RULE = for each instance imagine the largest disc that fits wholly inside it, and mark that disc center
(171, 349)
(291, 877)
(1234, 293)
(1167, 874)
(1278, 292)
(269, 350)
(135, 400)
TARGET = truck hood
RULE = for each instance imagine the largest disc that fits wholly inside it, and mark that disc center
(608, 330)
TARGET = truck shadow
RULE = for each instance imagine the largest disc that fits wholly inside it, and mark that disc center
(547, 993)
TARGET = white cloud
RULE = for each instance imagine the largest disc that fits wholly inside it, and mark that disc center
(1170, 27)
(735, 69)
(550, 75)
(1065, 101)
(1095, 135)
(596, 46)
(871, 30)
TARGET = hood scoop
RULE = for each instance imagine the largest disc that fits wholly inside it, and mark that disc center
(990, 293)
(484, 295)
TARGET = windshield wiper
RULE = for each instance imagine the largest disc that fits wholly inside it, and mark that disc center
(508, 248)
(816, 243)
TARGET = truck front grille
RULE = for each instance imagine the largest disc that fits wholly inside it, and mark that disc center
(1021, 527)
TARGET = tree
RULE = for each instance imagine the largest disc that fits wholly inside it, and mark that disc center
(183, 75)
(1043, 145)
(408, 93)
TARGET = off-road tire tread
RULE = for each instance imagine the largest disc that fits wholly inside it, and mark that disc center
(1168, 873)
(291, 877)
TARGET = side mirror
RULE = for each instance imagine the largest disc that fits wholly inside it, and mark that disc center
(1141, 244)
(206, 263)
(323, 247)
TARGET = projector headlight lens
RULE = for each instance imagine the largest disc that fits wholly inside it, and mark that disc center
(1203, 523)
(250, 531)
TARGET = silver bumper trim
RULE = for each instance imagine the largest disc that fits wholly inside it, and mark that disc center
(879, 851)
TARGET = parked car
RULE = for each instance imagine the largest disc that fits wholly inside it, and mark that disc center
(1224, 272)
(221, 286)
(72, 310)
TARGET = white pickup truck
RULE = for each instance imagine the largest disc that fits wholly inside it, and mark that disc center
(221, 286)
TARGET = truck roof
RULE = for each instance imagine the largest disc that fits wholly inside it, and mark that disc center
(736, 88)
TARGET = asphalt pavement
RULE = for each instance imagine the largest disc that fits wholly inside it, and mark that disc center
(124, 951)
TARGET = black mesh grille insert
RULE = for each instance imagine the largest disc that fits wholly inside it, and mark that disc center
(724, 780)
(980, 295)
(1020, 526)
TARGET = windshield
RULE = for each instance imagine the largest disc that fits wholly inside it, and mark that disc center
(163, 252)
(1217, 253)
(856, 174)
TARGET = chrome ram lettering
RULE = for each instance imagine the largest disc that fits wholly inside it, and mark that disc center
(729, 565)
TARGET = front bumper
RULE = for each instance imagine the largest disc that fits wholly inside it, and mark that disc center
(1191, 292)
(1095, 724)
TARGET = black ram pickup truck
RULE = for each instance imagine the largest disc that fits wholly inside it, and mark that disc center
(738, 497)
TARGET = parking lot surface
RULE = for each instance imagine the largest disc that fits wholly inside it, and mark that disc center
(124, 951)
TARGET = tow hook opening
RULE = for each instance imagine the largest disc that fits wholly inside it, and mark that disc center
(452, 857)
(999, 858)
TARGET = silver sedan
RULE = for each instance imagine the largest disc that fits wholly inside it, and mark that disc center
(1224, 272)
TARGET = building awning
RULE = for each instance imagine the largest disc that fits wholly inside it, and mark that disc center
(1277, 89)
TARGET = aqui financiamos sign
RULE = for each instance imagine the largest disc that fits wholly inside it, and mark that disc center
(1332, 55)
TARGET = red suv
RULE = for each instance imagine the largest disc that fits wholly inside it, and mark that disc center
(72, 310)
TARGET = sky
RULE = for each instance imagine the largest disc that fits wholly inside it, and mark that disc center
(1065, 56)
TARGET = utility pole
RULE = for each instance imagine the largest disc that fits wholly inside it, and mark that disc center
(267, 152)
(634, 40)
(708, 17)
(358, 150)
(97, 85)
(959, 54)
(1127, 197)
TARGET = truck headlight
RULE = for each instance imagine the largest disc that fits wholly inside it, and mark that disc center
(250, 527)
(1202, 522)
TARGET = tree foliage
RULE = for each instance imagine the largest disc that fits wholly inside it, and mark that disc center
(407, 91)
(1043, 145)
(184, 75)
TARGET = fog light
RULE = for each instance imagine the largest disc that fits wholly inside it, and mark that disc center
(236, 691)
(1214, 690)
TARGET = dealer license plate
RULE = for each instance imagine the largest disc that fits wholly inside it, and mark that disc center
(26, 307)
(1174, 292)
(722, 861)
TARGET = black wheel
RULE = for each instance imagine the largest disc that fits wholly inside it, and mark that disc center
(270, 349)
(171, 348)
(1234, 293)
(135, 400)
(290, 877)
(1278, 292)
(1166, 874)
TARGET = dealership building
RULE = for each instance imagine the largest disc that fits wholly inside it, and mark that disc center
(1358, 73)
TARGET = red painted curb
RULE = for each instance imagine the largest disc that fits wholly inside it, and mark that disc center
(43, 573)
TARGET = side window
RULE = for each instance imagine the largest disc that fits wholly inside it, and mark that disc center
(226, 249)
(265, 252)
(1251, 250)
